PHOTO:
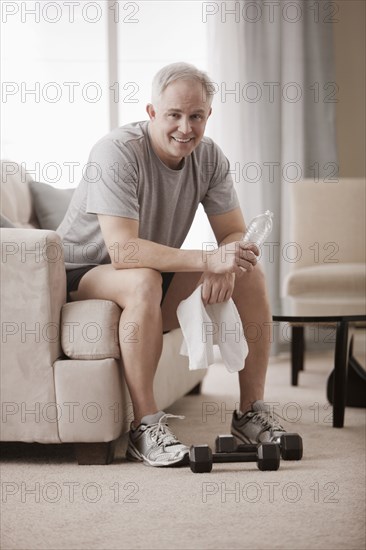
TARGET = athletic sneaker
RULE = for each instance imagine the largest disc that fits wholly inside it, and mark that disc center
(153, 443)
(257, 425)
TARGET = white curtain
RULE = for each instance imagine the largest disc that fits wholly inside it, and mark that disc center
(274, 109)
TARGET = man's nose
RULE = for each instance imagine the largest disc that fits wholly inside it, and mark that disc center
(184, 125)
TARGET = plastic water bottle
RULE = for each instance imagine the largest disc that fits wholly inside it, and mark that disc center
(259, 228)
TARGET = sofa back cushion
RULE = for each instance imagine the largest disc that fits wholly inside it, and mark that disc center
(27, 203)
(50, 204)
(5, 222)
(16, 200)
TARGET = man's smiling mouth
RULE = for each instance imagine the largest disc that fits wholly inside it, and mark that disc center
(182, 140)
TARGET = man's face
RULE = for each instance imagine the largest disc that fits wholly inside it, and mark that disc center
(178, 121)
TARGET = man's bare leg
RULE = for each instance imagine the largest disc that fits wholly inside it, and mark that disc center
(141, 358)
(250, 297)
(182, 286)
(138, 292)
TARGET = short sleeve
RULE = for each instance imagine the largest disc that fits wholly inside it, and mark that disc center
(112, 176)
(221, 196)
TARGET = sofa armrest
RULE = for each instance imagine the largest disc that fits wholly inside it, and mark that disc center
(33, 291)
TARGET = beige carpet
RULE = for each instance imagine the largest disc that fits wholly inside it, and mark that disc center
(316, 503)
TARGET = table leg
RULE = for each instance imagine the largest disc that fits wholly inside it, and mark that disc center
(297, 352)
(340, 374)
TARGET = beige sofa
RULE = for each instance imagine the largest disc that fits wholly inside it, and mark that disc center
(61, 373)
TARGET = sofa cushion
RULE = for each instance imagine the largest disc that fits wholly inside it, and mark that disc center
(333, 280)
(311, 306)
(90, 329)
(50, 204)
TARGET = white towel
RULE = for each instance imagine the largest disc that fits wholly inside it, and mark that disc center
(203, 327)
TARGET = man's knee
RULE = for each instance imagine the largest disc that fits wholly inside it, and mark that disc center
(251, 281)
(147, 287)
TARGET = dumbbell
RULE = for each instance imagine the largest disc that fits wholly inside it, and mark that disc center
(290, 445)
(266, 455)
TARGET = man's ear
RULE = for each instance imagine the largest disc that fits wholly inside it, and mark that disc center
(151, 111)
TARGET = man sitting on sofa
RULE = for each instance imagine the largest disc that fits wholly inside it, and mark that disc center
(136, 205)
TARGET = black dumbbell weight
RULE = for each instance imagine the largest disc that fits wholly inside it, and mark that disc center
(266, 455)
(200, 459)
(290, 445)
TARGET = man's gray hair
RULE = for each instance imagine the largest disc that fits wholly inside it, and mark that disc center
(181, 71)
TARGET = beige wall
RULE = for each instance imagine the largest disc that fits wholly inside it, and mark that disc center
(349, 45)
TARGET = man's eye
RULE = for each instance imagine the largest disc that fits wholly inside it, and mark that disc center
(174, 115)
(197, 117)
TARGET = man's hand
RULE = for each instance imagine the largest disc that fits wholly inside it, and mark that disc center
(236, 257)
(216, 287)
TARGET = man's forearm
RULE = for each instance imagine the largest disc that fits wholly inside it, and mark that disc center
(137, 253)
(237, 236)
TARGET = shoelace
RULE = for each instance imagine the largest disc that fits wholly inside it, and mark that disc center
(268, 421)
(161, 431)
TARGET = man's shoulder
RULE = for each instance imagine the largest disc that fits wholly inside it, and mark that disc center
(207, 142)
(208, 150)
(123, 136)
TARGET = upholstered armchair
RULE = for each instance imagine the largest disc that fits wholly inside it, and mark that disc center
(327, 223)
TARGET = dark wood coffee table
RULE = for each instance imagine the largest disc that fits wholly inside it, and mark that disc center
(341, 355)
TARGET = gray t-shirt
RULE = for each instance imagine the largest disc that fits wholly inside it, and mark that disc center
(124, 177)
